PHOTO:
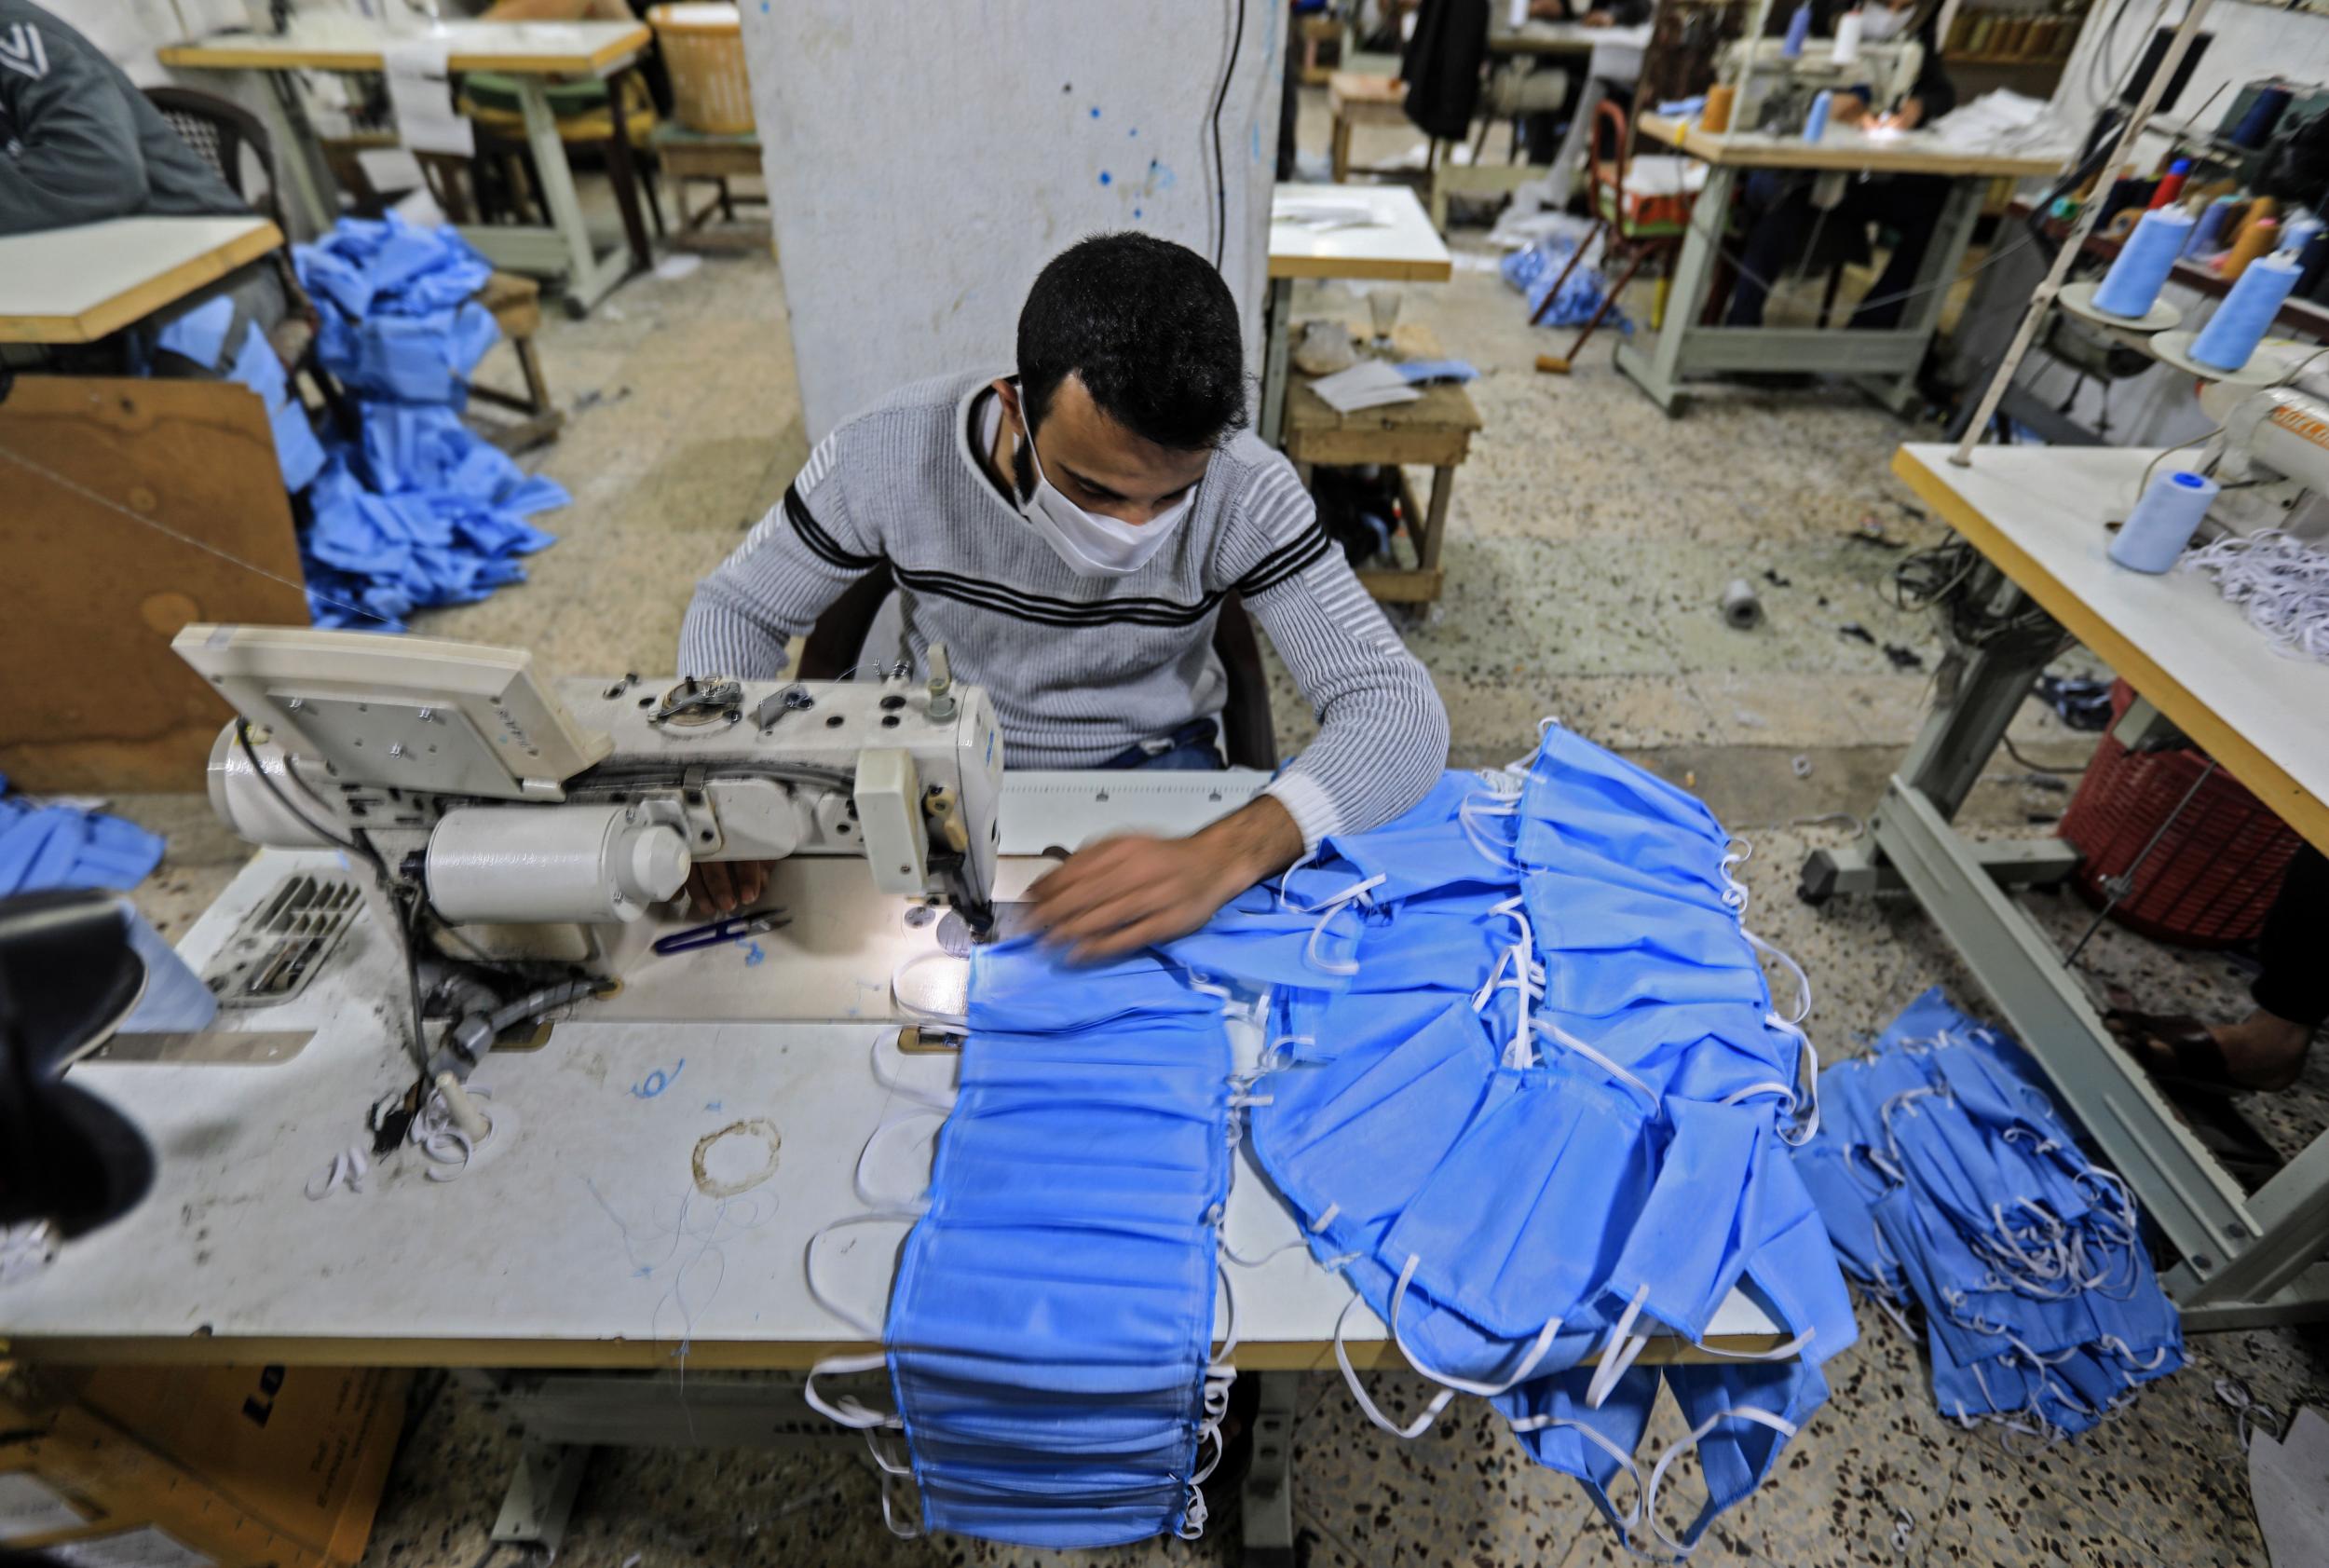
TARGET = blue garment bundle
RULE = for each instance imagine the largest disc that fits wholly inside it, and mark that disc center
(201, 335)
(60, 846)
(1947, 1177)
(1529, 1090)
(1049, 1329)
(416, 511)
(1533, 271)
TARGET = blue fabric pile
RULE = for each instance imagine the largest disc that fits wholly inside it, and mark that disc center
(202, 335)
(1534, 269)
(418, 511)
(1048, 1331)
(1528, 1090)
(1946, 1177)
(62, 846)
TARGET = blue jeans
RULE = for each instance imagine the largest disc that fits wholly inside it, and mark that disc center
(1193, 748)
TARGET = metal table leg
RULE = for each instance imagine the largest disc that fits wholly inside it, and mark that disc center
(1268, 1502)
(1279, 311)
(1658, 372)
(565, 248)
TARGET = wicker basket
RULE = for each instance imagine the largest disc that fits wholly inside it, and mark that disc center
(2214, 873)
(703, 49)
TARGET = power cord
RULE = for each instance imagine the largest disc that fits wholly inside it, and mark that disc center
(1221, 175)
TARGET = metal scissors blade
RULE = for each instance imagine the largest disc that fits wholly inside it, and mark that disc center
(735, 927)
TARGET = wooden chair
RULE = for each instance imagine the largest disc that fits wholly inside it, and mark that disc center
(1248, 739)
(1625, 236)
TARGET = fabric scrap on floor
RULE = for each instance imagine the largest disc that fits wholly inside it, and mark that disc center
(55, 844)
(1948, 1181)
(1537, 268)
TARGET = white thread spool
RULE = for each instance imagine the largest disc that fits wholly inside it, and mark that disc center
(1741, 608)
(1847, 40)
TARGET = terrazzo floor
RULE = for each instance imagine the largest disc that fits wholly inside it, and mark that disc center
(1588, 540)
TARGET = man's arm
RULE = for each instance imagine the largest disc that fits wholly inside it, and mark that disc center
(1381, 743)
(68, 145)
(799, 558)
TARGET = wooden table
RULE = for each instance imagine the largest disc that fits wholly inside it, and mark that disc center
(717, 158)
(78, 285)
(1435, 431)
(1401, 245)
(1883, 363)
(2039, 515)
(532, 52)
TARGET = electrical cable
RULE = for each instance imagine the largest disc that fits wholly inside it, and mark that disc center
(1221, 173)
(2014, 752)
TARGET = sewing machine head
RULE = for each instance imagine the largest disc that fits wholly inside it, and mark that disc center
(1778, 93)
(2274, 461)
(538, 818)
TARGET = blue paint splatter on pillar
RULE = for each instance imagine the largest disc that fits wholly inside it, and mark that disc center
(1106, 178)
(1136, 211)
(1134, 132)
(1096, 113)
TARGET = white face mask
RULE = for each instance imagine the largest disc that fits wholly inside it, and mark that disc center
(1880, 24)
(1089, 544)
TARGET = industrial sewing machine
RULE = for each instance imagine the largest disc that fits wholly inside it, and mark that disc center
(516, 830)
(1774, 92)
(2272, 456)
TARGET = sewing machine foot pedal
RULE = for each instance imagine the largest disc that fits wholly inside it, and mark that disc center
(540, 1498)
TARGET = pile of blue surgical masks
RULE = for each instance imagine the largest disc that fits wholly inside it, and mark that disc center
(417, 509)
(1948, 1180)
(1048, 1328)
(1526, 1088)
(54, 844)
(1534, 269)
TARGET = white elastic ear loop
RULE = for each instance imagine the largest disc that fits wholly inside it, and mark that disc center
(1620, 1352)
(1326, 910)
(917, 1203)
(898, 995)
(1786, 960)
(1413, 1429)
(1537, 1347)
(1491, 849)
(1625, 1461)
(1780, 1424)
(848, 1411)
(935, 1100)
(1807, 1059)
(1570, 1041)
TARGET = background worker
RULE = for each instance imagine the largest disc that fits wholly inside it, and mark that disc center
(1786, 226)
(1069, 532)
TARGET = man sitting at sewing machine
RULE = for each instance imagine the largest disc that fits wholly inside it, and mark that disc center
(1069, 532)
(1792, 227)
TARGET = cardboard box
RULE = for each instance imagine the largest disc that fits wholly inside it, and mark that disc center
(176, 1467)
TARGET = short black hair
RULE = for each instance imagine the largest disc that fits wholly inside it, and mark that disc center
(1149, 329)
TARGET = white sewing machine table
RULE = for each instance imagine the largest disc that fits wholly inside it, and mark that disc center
(629, 1221)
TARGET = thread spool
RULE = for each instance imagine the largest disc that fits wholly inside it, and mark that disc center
(2241, 323)
(1816, 123)
(2171, 183)
(2142, 269)
(1798, 29)
(2255, 127)
(2163, 521)
(2256, 212)
(2210, 228)
(1715, 117)
(1741, 610)
(1847, 40)
(2259, 238)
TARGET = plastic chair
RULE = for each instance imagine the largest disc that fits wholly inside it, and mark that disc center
(1248, 739)
(1625, 236)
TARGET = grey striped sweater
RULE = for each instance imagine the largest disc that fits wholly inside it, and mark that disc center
(1081, 668)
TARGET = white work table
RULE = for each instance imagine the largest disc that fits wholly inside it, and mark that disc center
(77, 284)
(1883, 363)
(1560, 39)
(530, 52)
(2040, 516)
(1396, 245)
(598, 1236)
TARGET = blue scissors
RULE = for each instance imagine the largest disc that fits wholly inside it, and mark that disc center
(735, 927)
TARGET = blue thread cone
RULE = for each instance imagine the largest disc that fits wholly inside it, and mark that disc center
(2163, 521)
(1798, 29)
(2143, 263)
(2209, 227)
(2241, 323)
(1816, 123)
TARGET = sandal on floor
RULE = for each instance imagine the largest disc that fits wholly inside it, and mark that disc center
(2177, 1049)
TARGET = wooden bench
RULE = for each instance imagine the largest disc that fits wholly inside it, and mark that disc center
(516, 304)
(1435, 431)
(1319, 34)
(705, 156)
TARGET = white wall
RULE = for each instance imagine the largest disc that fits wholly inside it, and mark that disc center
(925, 160)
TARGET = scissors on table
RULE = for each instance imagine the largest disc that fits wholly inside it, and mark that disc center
(735, 927)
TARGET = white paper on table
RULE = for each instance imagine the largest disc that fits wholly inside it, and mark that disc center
(2288, 1481)
(1368, 384)
(390, 169)
(29, 1506)
(1314, 213)
(421, 94)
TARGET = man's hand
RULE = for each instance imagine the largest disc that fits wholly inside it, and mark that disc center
(719, 888)
(1121, 894)
(1598, 18)
(1908, 116)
